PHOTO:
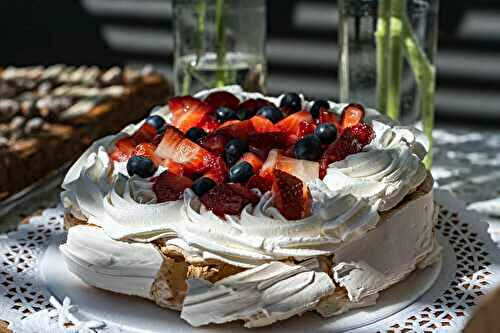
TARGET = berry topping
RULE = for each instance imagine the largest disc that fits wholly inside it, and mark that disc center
(262, 184)
(326, 132)
(173, 167)
(291, 124)
(144, 134)
(156, 121)
(252, 159)
(228, 199)
(306, 128)
(169, 187)
(327, 117)
(308, 148)
(147, 150)
(202, 185)
(233, 150)
(215, 142)
(352, 115)
(237, 129)
(344, 146)
(253, 105)
(291, 196)
(222, 98)
(124, 149)
(270, 112)
(240, 172)
(217, 169)
(244, 114)
(223, 114)
(318, 106)
(302, 169)
(189, 112)
(262, 125)
(362, 132)
(195, 133)
(140, 166)
(291, 103)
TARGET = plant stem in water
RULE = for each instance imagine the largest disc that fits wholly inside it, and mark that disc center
(382, 47)
(220, 43)
(425, 75)
(397, 9)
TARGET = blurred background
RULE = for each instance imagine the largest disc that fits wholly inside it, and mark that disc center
(301, 51)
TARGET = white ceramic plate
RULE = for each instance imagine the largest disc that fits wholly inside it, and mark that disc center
(139, 315)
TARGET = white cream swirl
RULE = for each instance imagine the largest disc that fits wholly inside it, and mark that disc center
(262, 234)
(386, 171)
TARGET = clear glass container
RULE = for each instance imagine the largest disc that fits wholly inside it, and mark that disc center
(219, 42)
(387, 52)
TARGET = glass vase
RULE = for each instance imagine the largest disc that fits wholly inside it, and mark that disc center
(219, 42)
(387, 52)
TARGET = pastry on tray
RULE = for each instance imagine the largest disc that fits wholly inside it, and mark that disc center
(235, 206)
(50, 115)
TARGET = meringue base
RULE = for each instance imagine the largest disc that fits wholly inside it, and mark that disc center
(402, 242)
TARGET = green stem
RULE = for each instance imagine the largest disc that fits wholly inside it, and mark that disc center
(220, 43)
(395, 58)
(425, 75)
(382, 42)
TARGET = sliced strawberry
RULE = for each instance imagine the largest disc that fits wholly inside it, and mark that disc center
(262, 184)
(268, 167)
(306, 128)
(188, 112)
(209, 124)
(352, 115)
(126, 146)
(222, 98)
(174, 167)
(119, 156)
(268, 140)
(169, 187)
(194, 118)
(326, 116)
(263, 125)
(303, 169)
(217, 169)
(254, 105)
(146, 133)
(237, 128)
(291, 196)
(215, 142)
(183, 104)
(344, 146)
(252, 159)
(182, 150)
(291, 123)
(147, 150)
(228, 199)
(362, 132)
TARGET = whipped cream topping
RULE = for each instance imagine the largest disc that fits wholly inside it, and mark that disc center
(259, 296)
(127, 268)
(262, 234)
(386, 171)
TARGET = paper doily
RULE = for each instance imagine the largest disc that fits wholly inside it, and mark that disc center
(24, 300)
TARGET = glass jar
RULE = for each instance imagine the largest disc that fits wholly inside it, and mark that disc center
(387, 52)
(219, 42)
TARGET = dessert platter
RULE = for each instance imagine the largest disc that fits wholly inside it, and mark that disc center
(49, 115)
(236, 207)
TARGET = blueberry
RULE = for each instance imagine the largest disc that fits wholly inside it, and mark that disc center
(317, 106)
(292, 102)
(233, 150)
(244, 114)
(308, 148)
(195, 133)
(270, 112)
(327, 133)
(140, 166)
(223, 114)
(156, 121)
(240, 172)
(202, 185)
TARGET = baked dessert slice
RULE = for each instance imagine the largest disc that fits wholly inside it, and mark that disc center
(49, 116)
(235, 206)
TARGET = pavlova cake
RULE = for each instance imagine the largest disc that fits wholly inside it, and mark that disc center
(235, 206)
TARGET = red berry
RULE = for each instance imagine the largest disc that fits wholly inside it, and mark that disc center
(189, 112)
(306, 128)
(328, 117)
(174, 167)
(228, 199)
(217, 169)
(344, 146)
(352, 115)
(252, 159)
(237, 128)
(291, 196)
(147, 150)
(262, 125)
(291, 124)
(215, 142)
(362, 132)
(169, 187)
(262, 184)
(222, 98)
(126, 146)
(254, 105)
